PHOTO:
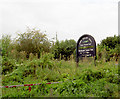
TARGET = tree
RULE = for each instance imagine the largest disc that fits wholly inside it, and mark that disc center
(33, 41)
(111, 42)
(63, 49)
(110, 46)
(6, 45)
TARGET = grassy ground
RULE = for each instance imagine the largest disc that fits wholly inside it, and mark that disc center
(87, 80)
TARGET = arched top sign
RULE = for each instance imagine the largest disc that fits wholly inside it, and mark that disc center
(86, 46)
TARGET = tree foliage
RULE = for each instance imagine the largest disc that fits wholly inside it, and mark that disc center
(63, 49)
(111, 42)
(5, 45)
(33, 41)
(109, 48)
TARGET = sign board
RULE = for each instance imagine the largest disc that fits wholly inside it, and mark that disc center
(86, 47)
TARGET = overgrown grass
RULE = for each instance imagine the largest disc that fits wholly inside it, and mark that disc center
(86, 80)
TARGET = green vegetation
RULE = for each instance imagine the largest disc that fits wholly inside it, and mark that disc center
(32, 58)
(63, 49)
(109, 48)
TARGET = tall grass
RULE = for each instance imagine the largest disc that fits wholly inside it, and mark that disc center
(86, 80)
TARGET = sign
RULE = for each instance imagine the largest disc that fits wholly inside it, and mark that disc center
(86, 47)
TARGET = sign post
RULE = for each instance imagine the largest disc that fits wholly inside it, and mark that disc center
(86, 47)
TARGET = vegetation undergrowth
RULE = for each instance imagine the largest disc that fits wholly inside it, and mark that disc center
(32, 58)
(86, 80)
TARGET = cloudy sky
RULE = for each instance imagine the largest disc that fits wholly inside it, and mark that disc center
(69, 18)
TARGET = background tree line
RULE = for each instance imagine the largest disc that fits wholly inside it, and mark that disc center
(109, 48)
(35, 42)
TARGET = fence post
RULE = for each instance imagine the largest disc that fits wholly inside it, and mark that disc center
(95, 60)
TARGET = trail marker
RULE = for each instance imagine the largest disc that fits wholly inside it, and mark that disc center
(86, 47)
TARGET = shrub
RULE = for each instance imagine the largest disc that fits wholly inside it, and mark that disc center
(63, 49)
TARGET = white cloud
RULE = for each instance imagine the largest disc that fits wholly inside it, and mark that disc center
(69, 18)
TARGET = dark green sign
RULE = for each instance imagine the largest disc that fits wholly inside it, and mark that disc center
(86, 47)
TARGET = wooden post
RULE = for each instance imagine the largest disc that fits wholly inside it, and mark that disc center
(77, 60)
(94, 60)
(76, 64)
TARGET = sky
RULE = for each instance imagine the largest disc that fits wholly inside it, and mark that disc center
(70, 19)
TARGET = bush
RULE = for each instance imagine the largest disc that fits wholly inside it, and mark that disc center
(63, 49)
(109, 48)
